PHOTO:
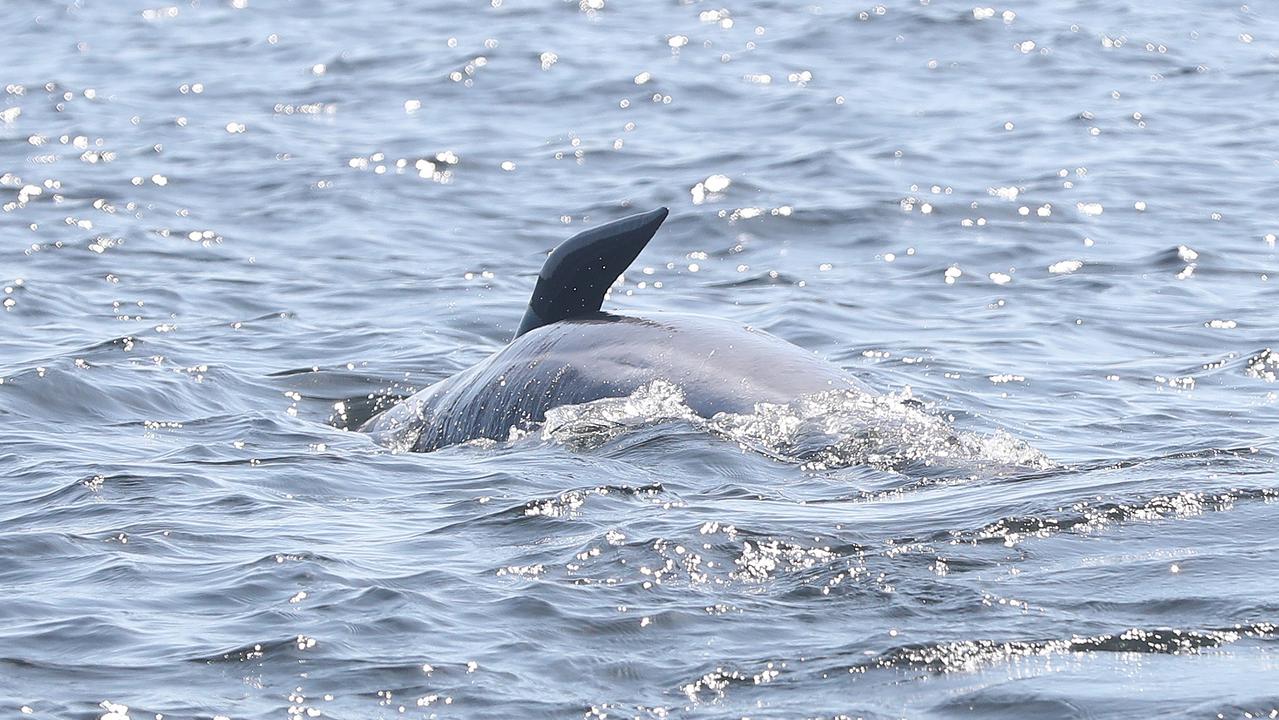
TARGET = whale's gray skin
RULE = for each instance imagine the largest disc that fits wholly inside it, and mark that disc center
(568, 352)
(719, 365)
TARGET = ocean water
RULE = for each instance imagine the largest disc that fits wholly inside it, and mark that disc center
(1048, 228)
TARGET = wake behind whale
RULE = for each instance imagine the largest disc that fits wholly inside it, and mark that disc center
(576, 371)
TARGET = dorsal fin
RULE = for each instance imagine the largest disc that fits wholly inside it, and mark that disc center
(581, 269)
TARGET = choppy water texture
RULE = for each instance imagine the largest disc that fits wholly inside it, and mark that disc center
(226, 224)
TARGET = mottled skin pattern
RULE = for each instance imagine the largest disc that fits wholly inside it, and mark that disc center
(720, 365)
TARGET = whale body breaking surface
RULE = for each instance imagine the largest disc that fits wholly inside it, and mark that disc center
(720, 367)
(568, 352)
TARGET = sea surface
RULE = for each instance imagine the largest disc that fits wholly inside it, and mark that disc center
(1045, 231)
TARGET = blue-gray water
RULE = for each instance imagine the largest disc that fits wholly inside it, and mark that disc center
(221, 218)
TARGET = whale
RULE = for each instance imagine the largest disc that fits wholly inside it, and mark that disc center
(568, 351)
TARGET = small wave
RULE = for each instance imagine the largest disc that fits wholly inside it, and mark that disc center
(965, 656)
(1091, 517)
(970, 655)
(712, 685)
(283, 647)
(567, 503)
(834, 429)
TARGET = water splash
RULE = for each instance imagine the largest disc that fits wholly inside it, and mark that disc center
(839, 428)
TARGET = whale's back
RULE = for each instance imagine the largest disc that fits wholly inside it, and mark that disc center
(567, 352)
(720, 366)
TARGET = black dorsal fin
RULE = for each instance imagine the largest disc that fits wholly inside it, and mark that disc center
(581, 269)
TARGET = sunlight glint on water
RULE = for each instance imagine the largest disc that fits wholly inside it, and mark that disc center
(231, 229)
